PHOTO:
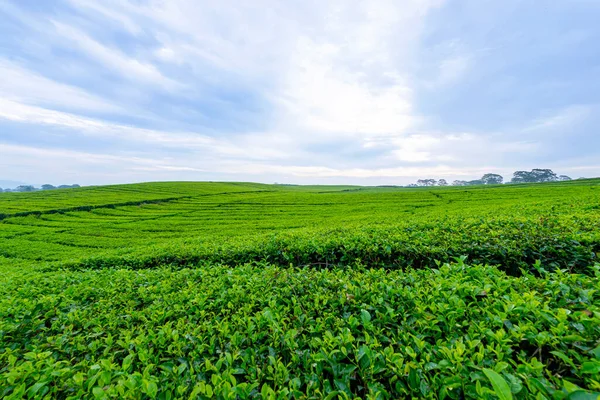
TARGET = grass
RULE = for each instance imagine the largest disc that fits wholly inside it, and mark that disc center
(238, 290)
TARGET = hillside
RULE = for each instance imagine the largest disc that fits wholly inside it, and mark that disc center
(241, 290)
(146, 224)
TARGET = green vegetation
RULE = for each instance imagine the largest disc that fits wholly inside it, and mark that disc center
(237, 290)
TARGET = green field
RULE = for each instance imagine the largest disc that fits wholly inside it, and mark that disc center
(240, 290)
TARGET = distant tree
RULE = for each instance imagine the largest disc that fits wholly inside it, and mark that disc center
(492, 179)
(412, 185)
(475, 182)
(564, 178)
(426, 182)
(459, 183)
(25, 188)
(75, 186)
(442, 182)
(1, 190)
(544, 175)
(521, 177)
(535, 175)
(48, 187)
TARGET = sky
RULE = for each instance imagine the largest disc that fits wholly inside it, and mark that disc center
(325, 92)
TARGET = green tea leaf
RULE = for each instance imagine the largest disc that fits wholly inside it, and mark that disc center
(583, 395)
(590, 367)
(500, 386)
(365, 316)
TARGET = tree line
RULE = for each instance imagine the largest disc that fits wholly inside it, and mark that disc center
(536, 175)
(31, 188)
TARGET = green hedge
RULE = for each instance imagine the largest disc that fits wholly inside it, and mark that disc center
(262, 331)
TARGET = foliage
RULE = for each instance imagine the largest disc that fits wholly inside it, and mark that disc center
(426, 182)
(144, 226)
(492, 179)
(237, 290)
(75, 186)
(487, 179)
(258, 330)
(475, 182)
(535, 175)
(25, 188)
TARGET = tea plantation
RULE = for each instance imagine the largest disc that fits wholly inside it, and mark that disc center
(240, 291)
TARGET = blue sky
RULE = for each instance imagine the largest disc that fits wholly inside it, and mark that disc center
(365, 92)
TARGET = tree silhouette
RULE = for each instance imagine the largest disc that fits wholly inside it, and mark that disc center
(426, 182)
(492, 179)
(544, 175)
(534, 176)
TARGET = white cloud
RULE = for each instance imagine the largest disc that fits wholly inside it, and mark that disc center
(169, 168)
(331, 69)
(302, 88)
(561, 119)
(447, 63)
(25, 86)
(19, 112)
(168, 55)
(130, 68)
(183, 141)
(415, 148)
(348, 77)
(246, 39)
(95, 7)
(18, 151)
(42, 165)
(360, 173)
(320, 95)
(452, 69)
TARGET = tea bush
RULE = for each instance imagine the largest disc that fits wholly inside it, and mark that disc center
(235, 291)
(259, 330)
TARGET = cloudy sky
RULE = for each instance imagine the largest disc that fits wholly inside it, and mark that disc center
(310, 91)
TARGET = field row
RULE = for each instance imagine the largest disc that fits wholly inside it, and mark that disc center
(12, 203)
(510, 227)
(209, 290)
(455, 332)
(43, 201)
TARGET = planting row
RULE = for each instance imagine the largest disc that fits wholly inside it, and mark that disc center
(262, 331)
